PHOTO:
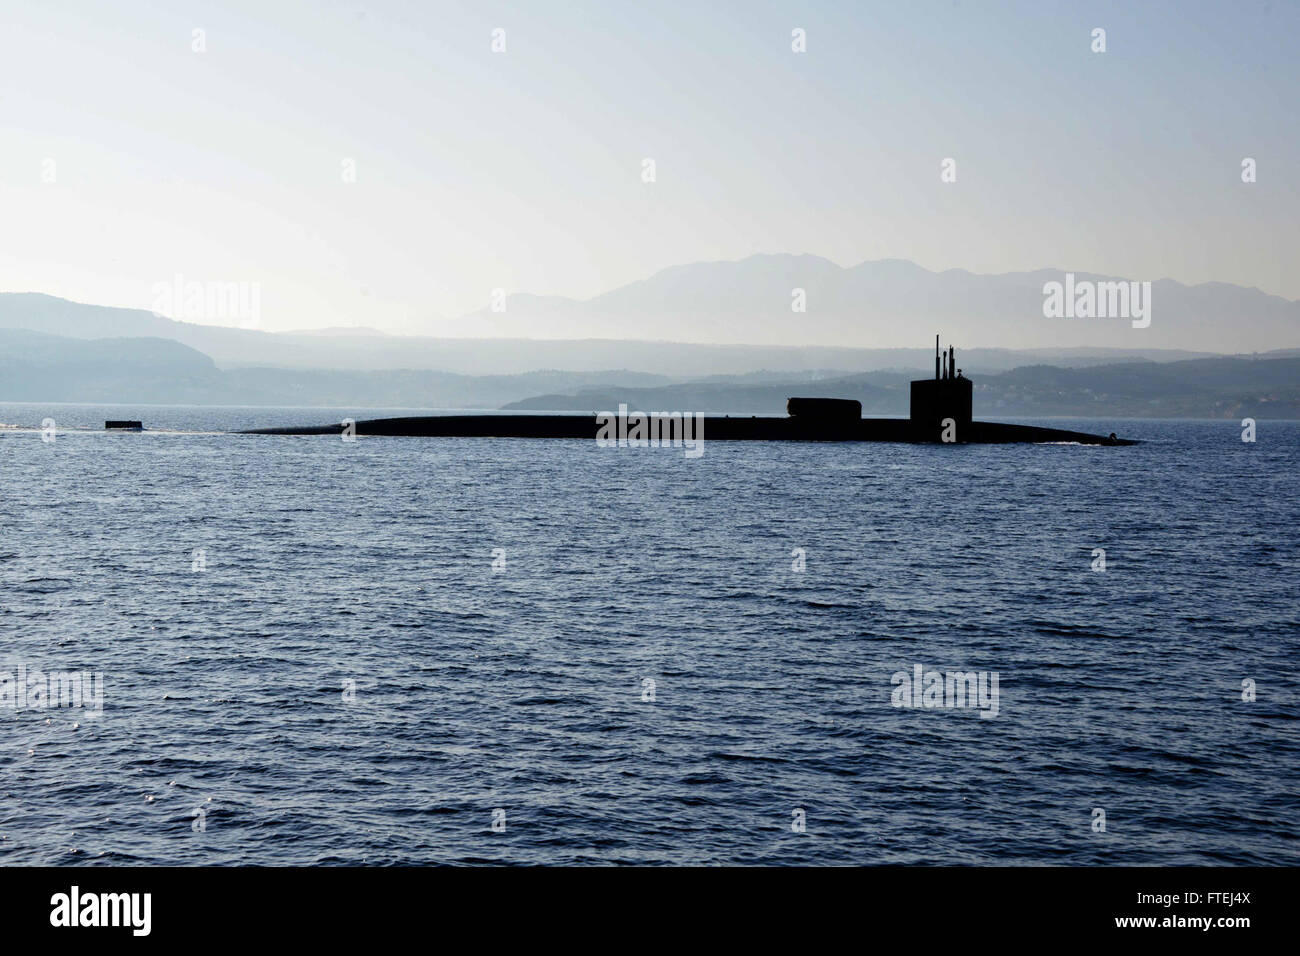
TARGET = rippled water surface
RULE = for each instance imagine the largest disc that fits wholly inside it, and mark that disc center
(522, 688)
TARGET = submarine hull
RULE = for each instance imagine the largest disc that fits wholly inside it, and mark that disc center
(716, 428)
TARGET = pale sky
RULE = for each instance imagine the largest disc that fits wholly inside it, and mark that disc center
(522, 170)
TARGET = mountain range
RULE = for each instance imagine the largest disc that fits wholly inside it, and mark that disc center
(888, 303)
(740, 314)
(712, 336)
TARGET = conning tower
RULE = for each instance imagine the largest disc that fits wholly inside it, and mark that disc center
(947, 395)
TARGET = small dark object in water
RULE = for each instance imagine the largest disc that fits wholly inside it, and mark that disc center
(124, 425)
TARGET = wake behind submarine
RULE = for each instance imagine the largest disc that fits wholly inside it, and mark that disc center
(940, 413)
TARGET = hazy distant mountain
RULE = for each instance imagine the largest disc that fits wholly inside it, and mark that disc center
(888, 303)
(732, 318)
(35, 367)
(367, 350)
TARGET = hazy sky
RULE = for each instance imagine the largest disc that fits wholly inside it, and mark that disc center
(522, 170)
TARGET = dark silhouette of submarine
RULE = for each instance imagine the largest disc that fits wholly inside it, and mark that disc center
(940, 412)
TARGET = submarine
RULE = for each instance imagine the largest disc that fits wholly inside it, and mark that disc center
(940, 413)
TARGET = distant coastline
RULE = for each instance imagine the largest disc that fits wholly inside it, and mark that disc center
(43, 368)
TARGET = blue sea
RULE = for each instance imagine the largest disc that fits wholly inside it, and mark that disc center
(427, 651)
